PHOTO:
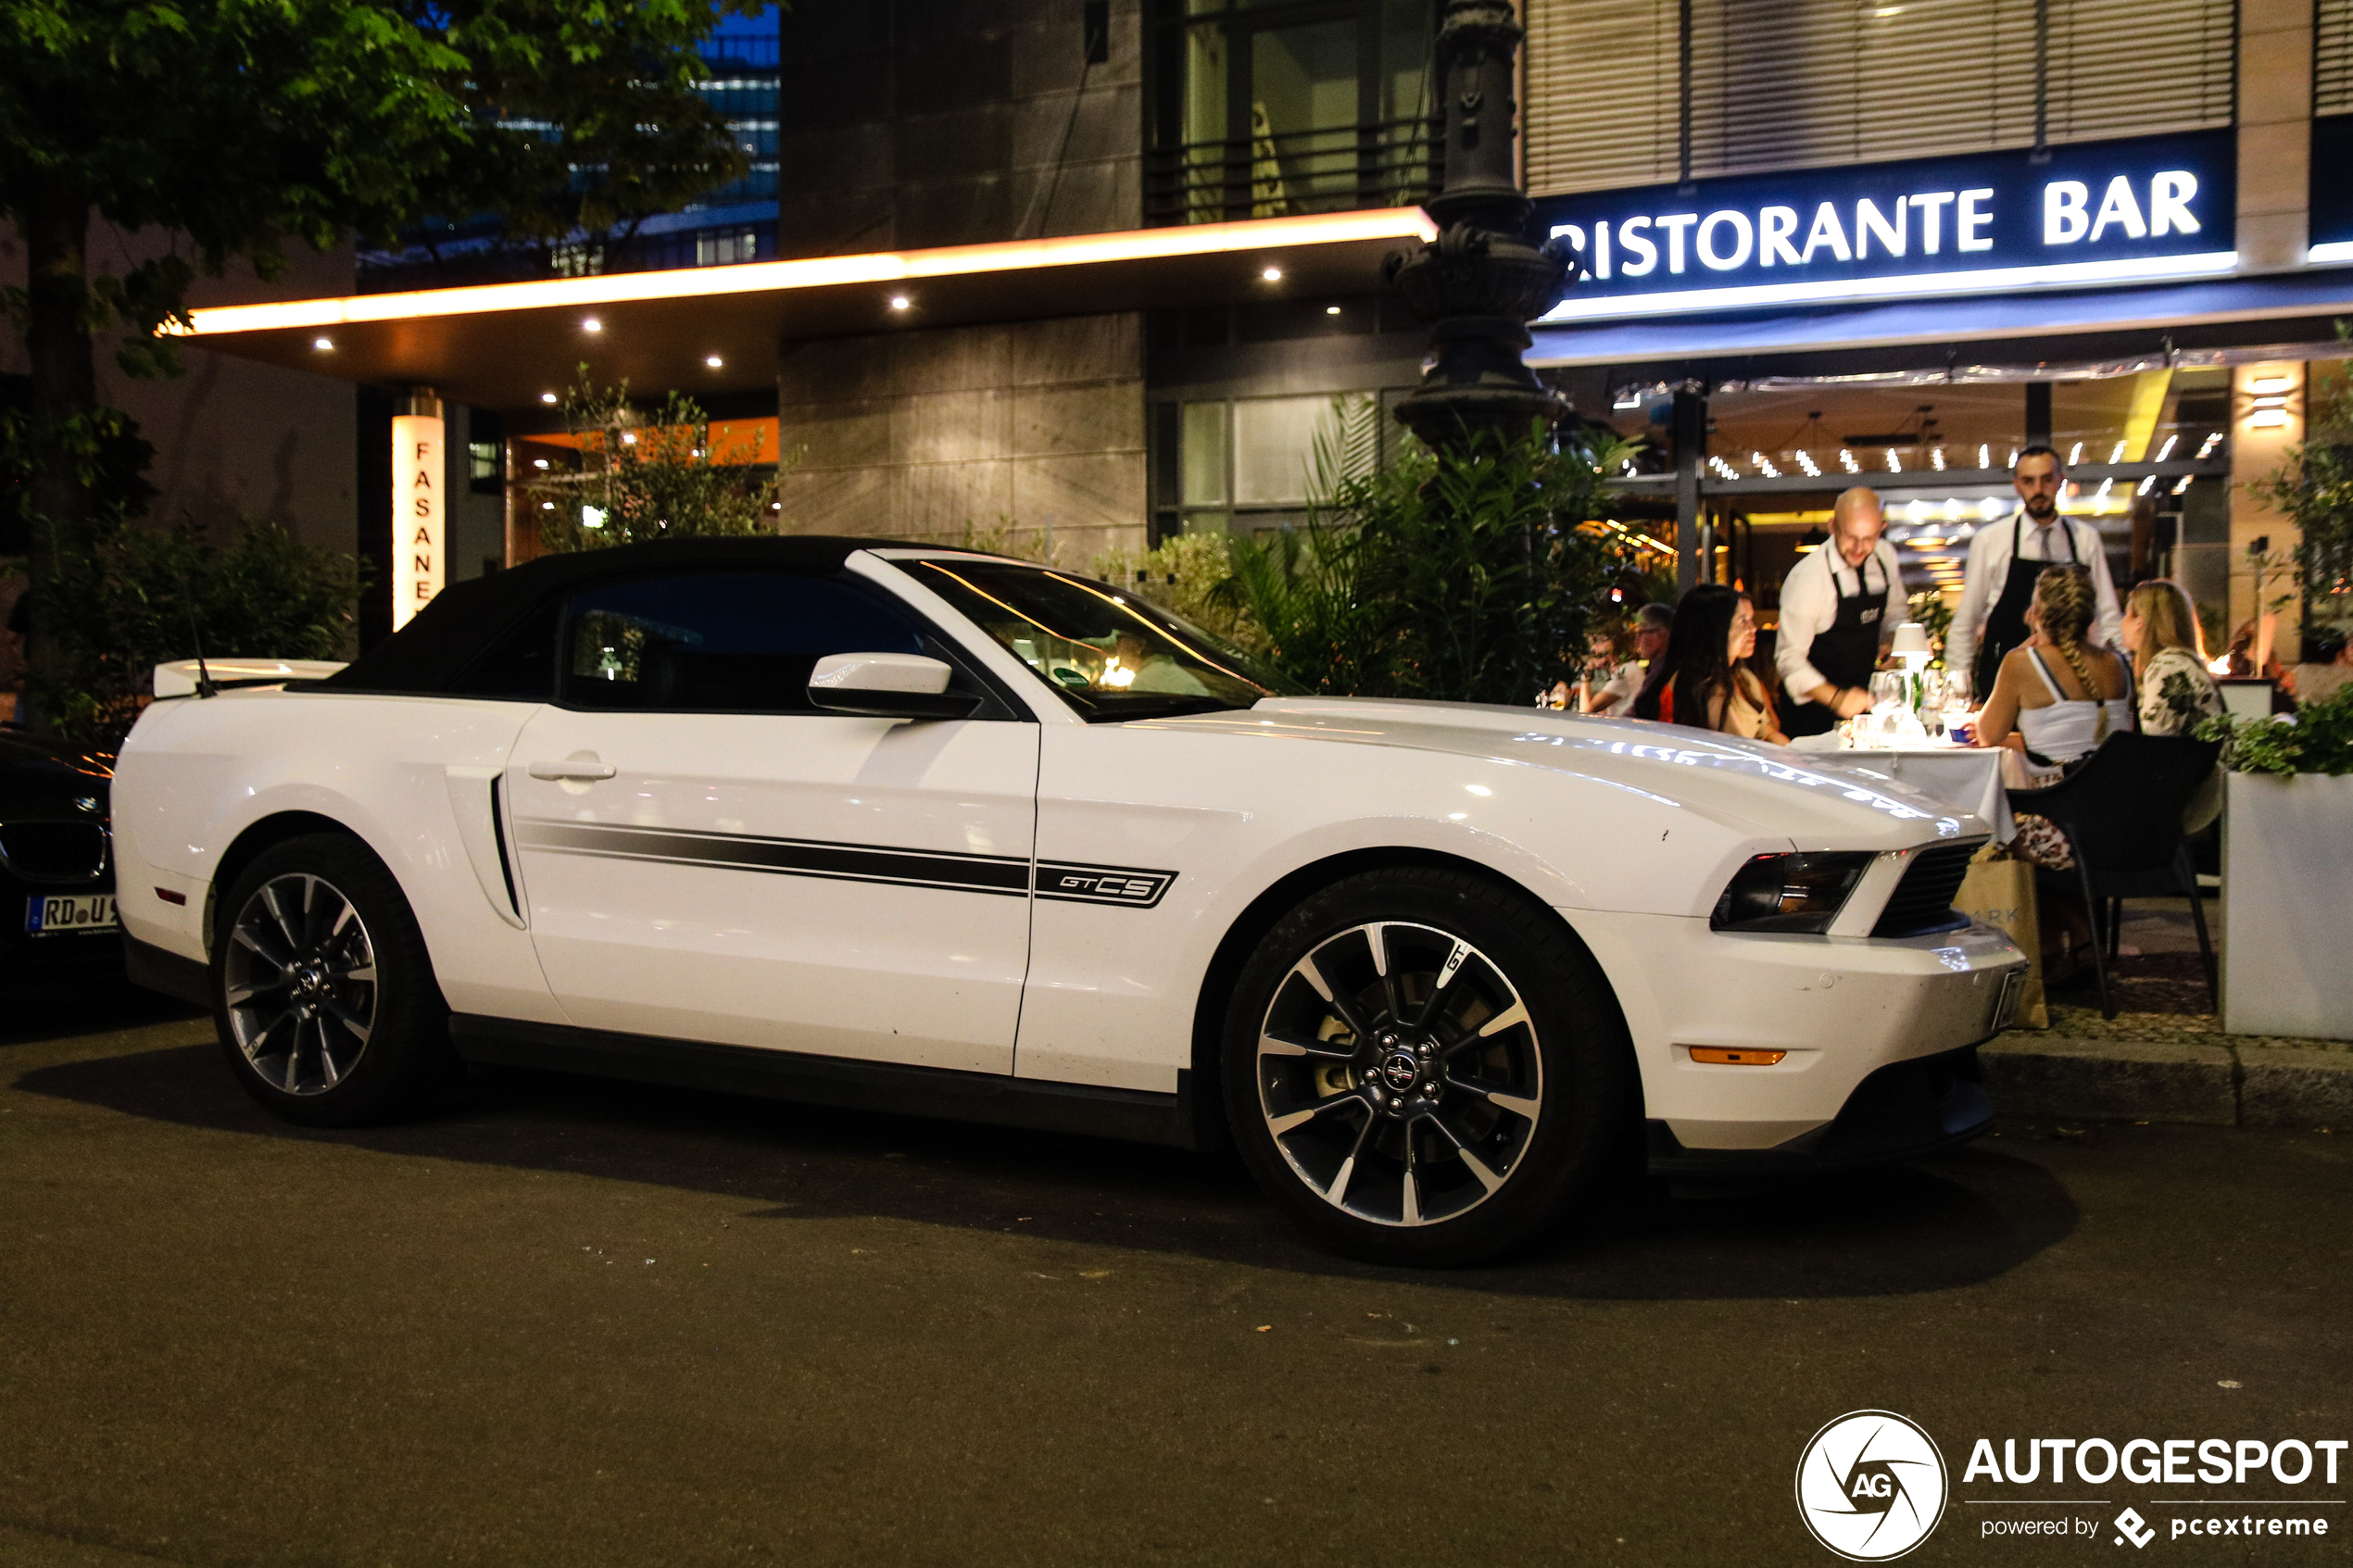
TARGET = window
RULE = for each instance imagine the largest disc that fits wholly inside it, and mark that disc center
(521, 666)
(726, 250)
(576, 260)
(2332, 58)
(718, 641)
(1253, 463)
(1109, 654)
(1269, 109)
(1803, 84)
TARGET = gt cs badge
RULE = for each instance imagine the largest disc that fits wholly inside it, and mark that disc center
(1102, 884)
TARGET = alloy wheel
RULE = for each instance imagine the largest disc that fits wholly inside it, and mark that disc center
(1399, 1073)
(300, 982)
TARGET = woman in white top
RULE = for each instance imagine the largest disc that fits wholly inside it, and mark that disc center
(2054, 699)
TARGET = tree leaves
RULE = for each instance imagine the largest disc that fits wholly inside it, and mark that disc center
(652, 473)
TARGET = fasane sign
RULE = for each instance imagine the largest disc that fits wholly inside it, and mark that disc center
(2153, 207)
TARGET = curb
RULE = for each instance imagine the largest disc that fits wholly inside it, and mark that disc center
(2207, 1080)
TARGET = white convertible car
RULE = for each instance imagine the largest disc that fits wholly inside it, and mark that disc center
(940, 832)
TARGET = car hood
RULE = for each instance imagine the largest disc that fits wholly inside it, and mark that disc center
(1819, 800)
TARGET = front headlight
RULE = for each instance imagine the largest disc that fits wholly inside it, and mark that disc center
(1789, 892)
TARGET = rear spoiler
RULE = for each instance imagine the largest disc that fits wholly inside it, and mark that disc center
(179, 677)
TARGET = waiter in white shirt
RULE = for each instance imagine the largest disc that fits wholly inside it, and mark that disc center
(2003, 563)
(1840, 609)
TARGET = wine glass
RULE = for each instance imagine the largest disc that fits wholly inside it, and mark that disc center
(1932, 699)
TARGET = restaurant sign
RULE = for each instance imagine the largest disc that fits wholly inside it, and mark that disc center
(2096, 213)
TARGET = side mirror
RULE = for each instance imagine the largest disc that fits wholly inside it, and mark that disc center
(887, 685)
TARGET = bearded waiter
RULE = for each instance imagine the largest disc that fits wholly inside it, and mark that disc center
(2003, 562)
(1840, 609)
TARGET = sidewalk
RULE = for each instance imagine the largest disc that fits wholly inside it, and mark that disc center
(2164, 1057)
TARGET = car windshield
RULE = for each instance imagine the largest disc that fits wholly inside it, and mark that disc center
(1109, 654)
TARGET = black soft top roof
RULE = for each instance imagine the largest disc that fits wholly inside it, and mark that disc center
(445, 636)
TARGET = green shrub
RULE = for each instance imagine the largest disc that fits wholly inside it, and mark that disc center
(1188, 575)
(2319, 739)
(1468, 578)
(133, 598)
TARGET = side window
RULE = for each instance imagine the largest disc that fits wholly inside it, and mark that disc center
(521, 666)
(719, 641)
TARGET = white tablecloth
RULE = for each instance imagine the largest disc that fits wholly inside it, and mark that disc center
(1967, 777)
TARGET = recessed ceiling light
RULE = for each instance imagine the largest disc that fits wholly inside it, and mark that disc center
(900, 302)
(592, 325)
(322, 343)
(546, 398)
(712, 361)
(1331, 309)
(1273, 274)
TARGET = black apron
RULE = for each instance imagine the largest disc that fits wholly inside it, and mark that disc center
(2006, 627)
(1847, 651)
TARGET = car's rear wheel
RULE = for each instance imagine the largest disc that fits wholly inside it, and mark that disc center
(323, 990)
(1423, 1068)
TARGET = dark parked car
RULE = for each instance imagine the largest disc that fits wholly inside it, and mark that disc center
(56, 862)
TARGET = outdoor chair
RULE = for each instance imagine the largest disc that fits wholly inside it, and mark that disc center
(2122, 813)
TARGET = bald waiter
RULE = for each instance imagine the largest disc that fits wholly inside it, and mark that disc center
(1840, 609)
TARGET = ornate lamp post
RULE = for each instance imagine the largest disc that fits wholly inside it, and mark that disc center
(1480, 283)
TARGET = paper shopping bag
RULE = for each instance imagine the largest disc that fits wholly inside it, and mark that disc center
(2001, 894)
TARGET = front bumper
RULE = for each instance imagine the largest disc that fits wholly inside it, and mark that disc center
(1903, 1110)
(1839, 1010)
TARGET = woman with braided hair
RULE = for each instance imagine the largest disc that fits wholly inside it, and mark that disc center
(2056, 698)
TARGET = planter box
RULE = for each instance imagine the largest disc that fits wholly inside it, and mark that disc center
(2287, 906)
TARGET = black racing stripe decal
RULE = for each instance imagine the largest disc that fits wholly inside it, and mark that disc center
(1126, 886)
(789, 857)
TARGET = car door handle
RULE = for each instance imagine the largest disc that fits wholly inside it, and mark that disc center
(572, 767)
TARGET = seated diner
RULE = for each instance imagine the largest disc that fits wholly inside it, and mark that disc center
(1703, 679)
(2059, 697)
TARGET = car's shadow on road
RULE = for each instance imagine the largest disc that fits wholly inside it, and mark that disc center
(1952, 1221)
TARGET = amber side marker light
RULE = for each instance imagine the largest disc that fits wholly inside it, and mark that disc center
(1715, 1055)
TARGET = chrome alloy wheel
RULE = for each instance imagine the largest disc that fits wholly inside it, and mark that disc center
(300, 984)
(1398, 1073)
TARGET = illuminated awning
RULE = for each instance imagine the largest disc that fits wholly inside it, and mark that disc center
(2238, 308)
(709, 330)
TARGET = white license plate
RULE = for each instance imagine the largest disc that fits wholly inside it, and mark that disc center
(52, 917)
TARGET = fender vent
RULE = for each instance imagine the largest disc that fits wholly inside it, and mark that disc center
(55, 851)
(1922, 902)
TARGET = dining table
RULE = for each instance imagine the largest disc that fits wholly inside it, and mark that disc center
(1971, 778)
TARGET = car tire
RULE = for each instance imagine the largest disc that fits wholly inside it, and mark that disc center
(1424, 1068)
(322, 991)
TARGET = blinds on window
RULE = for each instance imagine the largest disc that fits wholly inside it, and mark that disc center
(1604, 94)
(2332, 58)
(1799, 83)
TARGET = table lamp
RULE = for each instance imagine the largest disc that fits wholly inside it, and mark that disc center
(1911, 645)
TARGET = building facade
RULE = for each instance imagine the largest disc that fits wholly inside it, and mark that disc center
(1080, 275)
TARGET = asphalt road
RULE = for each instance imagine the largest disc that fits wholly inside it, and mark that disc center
(570, 1322)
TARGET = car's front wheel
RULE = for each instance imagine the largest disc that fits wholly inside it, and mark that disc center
(322, 991)
(1424, 1068)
